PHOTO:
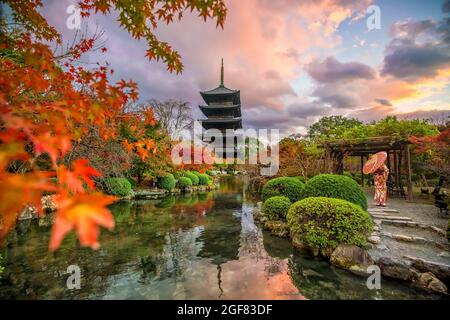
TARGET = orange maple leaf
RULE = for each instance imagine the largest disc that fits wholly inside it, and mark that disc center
(83, 212)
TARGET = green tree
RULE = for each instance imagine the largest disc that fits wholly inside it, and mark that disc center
(332, 126)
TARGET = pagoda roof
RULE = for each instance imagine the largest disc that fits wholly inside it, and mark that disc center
(221, 89)
(222, 123)
(216, 109)
(221, 92)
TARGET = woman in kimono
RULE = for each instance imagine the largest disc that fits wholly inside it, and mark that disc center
(380, 177)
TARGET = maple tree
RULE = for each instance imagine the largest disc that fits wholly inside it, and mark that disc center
(139, 18)
(47, 105)
(435, 150)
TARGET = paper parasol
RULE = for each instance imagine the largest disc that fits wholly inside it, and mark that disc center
(375, 162)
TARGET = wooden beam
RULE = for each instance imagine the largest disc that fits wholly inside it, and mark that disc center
(408, 173)
(362, 172)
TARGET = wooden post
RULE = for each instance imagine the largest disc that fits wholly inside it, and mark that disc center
(408, 173)
(397, 184)
(400, 166)
(362, 173)
(389, 164)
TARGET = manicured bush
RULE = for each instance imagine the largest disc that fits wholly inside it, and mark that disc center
(178, 174)
(167, 181)
(184, 182)
(117, 186)
(196, 173)
(204, 179)
(335, 186)
(284, 186)
(301, 178)
(324, 223)
(276, 207)
(193, 178)
(132, 182)
(209, 172)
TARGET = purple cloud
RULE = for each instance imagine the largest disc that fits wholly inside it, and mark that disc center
(331, 70)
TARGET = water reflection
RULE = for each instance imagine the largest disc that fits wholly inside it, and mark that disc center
(200, 246)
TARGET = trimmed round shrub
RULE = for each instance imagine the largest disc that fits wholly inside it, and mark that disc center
(301, 178)
(184, 182)
(117, 186)
(275, 208)
(284, 186)
(204, 179)
(196, 173)
(167, 182)
(335, 186)
(193, 178)
(324, 223)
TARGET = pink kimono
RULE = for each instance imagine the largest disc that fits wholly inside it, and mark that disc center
(380, 177)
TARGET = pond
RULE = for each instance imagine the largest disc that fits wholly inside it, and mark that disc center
(200, 246)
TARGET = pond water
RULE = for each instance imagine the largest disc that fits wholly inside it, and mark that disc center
(202, 246)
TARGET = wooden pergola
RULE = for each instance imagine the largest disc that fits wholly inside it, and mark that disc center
(398, 150)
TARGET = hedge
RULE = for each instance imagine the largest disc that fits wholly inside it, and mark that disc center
(324, 223)
(167, 181)
(193, 177)
(184, 182)
(275, 208)
(117, 186)
(335, 186)
(284, 186)
(204, 179)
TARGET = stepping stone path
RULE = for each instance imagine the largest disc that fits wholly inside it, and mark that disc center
(399, 238)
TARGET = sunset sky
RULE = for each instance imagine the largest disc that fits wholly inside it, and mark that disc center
(295, 60)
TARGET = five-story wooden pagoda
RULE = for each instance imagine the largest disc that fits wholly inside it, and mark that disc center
(223, 112)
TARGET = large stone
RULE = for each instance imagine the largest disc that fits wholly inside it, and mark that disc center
(429, 281)
(374, 239)
(351, 258)
(440, 270)
(394, 268)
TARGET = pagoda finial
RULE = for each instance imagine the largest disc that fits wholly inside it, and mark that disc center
(221, 74)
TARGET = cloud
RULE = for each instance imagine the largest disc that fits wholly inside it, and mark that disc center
(384, 102)
(418, 50)
(446, 6)
(331, 70)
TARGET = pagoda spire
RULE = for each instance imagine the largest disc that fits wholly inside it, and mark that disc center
(221, 74)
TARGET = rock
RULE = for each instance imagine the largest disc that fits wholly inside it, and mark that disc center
(376, 228)
(401, 237)
(48, 204)
(439, 230)
(374, 239)
(440, 270)
(29, 212)
(394, 268)
(350, 257)
(429, 281)
(382, 247)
